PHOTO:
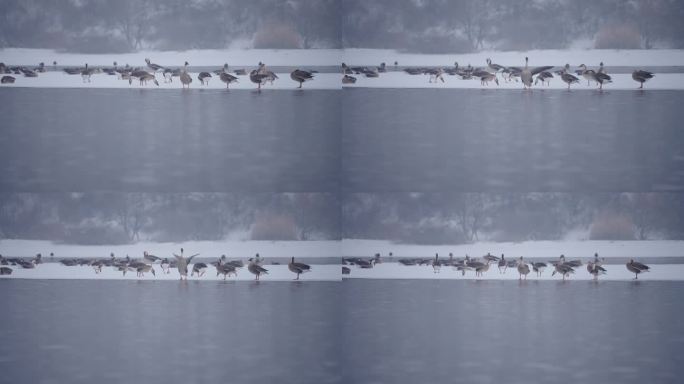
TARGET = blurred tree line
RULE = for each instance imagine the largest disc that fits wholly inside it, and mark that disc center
(99, 26)
(119, 218)
(452, 218)
(423, 218)
(453, 26)
(427, 26)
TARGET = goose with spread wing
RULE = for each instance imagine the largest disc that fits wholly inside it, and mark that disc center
(527, 73)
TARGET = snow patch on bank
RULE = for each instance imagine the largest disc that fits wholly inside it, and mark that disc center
(211, 249)
(528, 249)
(557, 57)
(203, 57)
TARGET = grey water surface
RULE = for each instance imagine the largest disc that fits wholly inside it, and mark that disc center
(169, 141)
(54, 331)
(408, 331)
(433, 140)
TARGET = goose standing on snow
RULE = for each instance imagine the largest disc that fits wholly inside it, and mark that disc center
(182, 264)
(298, 268)
(641, 76)
(563, 268)
(185, 77)
(538, 267)
(436, 265)
(346, 79)
(86, 73)
(602, 77)
(225, 268)
(254, 268)
(484, 80)
(165, 266)
(270, 75)
(588, 74)
(567, 77)
(544, 77)
(636, 268)
(204, 77)
(199, 269)
(153, 67)
(228, 78)
(527, 73)
(494, 67)
(595, 269)
(257, 78)
(144, 268)
(301, 76)
(523, 268)
(502, 264)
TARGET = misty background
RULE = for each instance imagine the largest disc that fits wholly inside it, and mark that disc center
(426, 26)
(121, 218)
(420, 218)
(455, 218)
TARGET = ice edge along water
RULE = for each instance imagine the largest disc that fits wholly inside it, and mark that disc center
(540, 250)
(638, 59)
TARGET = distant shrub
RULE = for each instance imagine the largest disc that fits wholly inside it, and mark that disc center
(274, 227)
(277, 36)
(96, 44)
(94, 236)
(437, 45)
(618, 36)
(612, 226)
(432, 235)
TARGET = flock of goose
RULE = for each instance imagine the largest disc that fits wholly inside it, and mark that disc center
(263, 76)
(491, 72)
(226, 267)
(147, 263)
(260, 76)
(561, 266)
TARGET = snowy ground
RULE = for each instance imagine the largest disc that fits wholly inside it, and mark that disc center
(210, 249)
(389, 269)
(663, 81)
(352, 248)
(206, 57)
(316, 57)
(590, 57)
(578, 249)
(643, 59)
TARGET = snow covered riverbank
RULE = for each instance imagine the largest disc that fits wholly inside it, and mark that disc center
(209, 249)
(319, 57)
(275, 273)
(248, 59)
(332, 81)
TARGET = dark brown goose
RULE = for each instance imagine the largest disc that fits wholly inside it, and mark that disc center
(298, 268)
(641, 77)
(636, 268)
(301, 76)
